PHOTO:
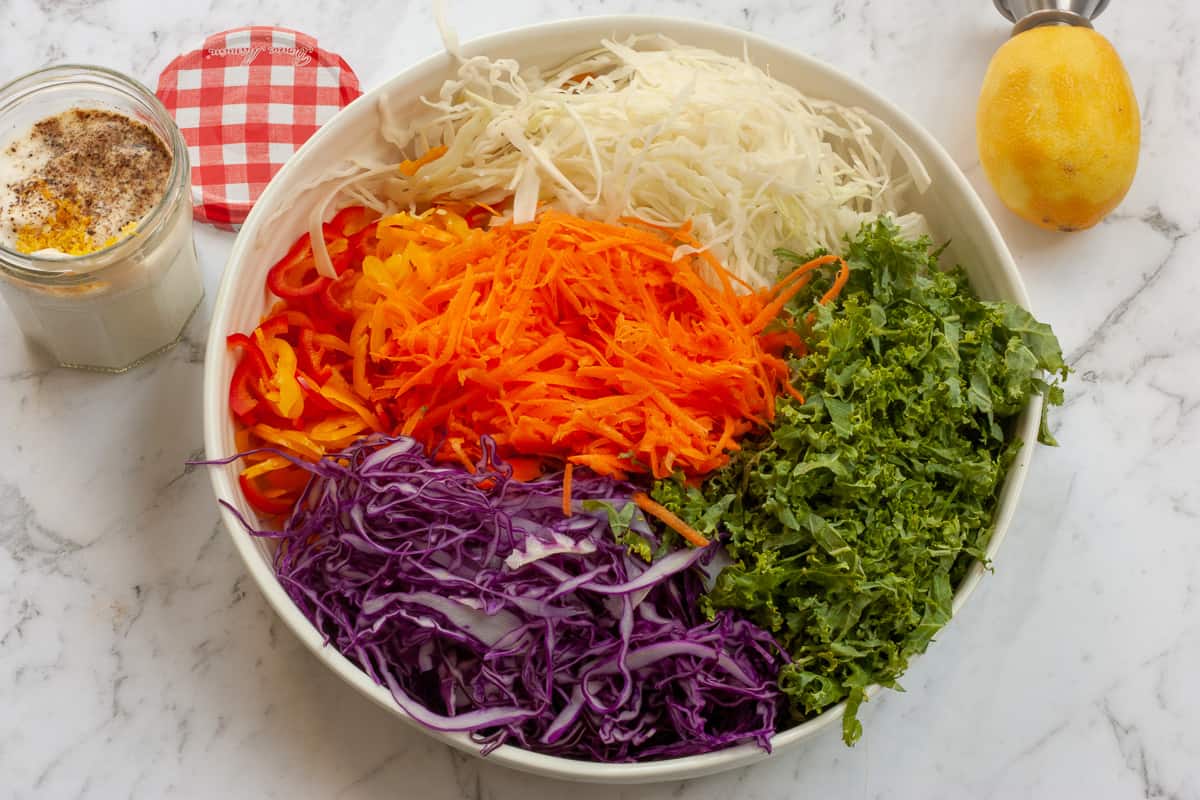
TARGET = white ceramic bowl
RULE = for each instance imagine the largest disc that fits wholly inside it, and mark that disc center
(950, 205)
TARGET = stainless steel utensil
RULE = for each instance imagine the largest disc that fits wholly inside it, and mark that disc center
(1028, 14)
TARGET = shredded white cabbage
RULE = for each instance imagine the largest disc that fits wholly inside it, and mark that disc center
(664, 133)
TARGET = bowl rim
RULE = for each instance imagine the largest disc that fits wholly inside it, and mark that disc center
(214, 396)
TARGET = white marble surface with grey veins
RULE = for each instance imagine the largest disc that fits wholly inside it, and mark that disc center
(137, 659)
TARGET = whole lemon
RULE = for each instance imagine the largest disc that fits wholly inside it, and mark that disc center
(1058, 127)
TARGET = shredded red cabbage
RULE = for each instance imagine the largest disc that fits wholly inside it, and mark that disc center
(484, 609)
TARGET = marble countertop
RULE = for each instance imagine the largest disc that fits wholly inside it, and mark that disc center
(137, 659)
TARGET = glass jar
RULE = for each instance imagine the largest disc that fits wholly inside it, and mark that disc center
(113, 308)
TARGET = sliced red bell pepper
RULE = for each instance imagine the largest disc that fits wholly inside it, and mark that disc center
(289, 479)
(351, 220)
(295, 275)
(340, 255)
(279, 324)
(245, 391)
(345, 235)
(243, 394)
(335, 298)
(261, 501)
(315, 403)
(249, 349)
(312, 356)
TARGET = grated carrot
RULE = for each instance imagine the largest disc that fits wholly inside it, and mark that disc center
(514, 332)
(409, 167)
(566, 498)
(664, 515)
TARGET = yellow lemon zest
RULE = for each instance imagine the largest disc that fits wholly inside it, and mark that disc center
(65, 230)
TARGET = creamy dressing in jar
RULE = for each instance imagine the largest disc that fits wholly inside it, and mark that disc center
(96, 250)
(79, 181)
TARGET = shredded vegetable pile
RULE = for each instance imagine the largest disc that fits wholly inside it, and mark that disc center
(853, 520)
(657, 131)
(564, 445)
(502, 617)
(565, 340)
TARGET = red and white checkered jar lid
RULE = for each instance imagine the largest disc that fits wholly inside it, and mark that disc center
(245, 101)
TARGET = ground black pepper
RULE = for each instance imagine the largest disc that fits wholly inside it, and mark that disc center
(111, 168)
